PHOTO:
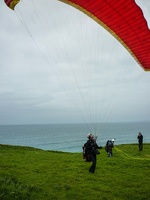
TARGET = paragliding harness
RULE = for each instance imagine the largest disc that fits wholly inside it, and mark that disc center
(87, 156)
(108, 147)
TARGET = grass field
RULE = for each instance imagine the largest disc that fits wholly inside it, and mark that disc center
(29, 173)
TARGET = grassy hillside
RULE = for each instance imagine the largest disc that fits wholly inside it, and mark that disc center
(29, 173)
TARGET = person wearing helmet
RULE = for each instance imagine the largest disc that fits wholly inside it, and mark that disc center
(109, 146)
(91, 150)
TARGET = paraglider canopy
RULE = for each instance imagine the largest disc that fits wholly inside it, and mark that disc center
(11, 3)
(124, 20)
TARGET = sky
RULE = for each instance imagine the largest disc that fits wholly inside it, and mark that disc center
(59, 66)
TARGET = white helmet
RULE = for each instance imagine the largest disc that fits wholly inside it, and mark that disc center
(89, 135)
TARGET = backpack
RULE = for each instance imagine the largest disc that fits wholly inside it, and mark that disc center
(86, 157)
(109, 145)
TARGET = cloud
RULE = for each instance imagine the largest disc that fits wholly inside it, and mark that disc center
(56, 67)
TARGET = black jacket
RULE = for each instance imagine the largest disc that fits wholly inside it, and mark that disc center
(90, 146)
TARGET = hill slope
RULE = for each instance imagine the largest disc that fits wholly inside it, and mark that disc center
(29, 173)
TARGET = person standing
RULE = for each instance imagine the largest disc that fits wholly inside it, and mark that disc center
(108, 147)
(140, 140)
(91, 148)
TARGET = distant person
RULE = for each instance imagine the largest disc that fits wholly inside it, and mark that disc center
(140, 140)
(90, 151)
(109, 146)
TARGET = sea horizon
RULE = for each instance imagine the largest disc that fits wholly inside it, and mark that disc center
(71, 137)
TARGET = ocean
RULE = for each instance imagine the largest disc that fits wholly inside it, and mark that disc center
(71, 137)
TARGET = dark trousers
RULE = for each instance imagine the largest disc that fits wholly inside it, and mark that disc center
(110, 154)
(140, 146)
(93, 166)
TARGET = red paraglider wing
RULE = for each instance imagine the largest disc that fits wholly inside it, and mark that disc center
(124, 20)
(11, 3)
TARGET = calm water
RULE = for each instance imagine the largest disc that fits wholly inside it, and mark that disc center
(71, 137)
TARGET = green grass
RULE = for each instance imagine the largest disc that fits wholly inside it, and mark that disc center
(29, 173)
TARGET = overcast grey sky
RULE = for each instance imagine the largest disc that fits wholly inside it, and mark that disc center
(58, 66)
